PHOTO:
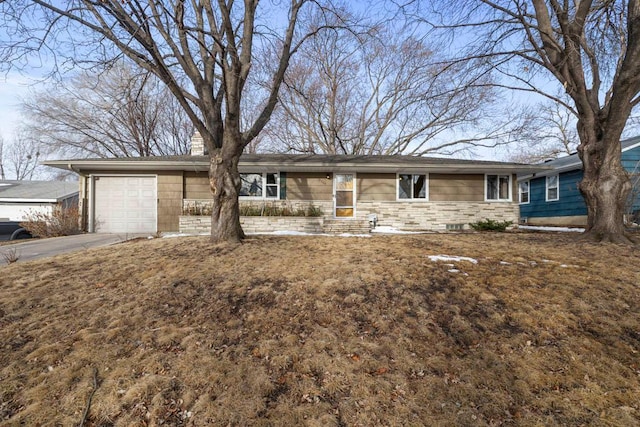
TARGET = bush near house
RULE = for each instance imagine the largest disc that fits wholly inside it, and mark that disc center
(260, 209)
(490, 225)
(61, 221)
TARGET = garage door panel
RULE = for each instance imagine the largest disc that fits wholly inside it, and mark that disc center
(125, 204)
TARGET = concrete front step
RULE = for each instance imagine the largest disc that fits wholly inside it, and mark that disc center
(351, 226)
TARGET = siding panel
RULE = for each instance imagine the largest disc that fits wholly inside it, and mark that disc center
(373, 187)
(309, 186)
(456, 187)
(196, 185)
(631, 162)
(170, 195)
(570, 202)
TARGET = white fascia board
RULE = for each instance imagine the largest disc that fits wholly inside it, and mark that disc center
(124, 165)
(631, 147)
(127, 165)
(566, 168)
(388, 168)
(28, 200)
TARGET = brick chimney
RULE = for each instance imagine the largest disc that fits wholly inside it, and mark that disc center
(197, 144)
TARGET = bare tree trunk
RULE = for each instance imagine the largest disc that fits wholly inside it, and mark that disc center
(225, 183)
(605, 187)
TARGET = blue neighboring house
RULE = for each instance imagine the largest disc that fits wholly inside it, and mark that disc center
(552, 197)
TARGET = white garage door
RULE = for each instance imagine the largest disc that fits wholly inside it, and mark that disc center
(125, 204)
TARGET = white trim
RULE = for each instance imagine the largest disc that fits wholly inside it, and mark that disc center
(91, 210)
(528, 181)
(201, 163)
(355, 195)
(577, 165)
(11, 200)
(546, 188)
(510, 190)
(413, 199)
(631, 147)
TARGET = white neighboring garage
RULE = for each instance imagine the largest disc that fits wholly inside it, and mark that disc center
(18, 199)
(124, 204)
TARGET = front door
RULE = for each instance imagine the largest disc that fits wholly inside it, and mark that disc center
(344, 190)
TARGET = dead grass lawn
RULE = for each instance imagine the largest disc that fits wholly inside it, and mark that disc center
(325, 331)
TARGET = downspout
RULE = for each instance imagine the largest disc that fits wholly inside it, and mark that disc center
(83, 222)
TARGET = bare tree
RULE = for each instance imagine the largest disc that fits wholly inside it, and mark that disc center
(385, 91)
(211, 44)
(2, 173)
(552, 134)
(20, 160)
(592, 50)
(122, 112)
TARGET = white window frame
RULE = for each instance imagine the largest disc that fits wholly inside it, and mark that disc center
(510, 189)
(264, 186)
(557, 187)
(412, 198)
(528, 182)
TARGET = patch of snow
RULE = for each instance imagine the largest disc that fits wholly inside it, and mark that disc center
(436, 258)
(171, 235)
(505, 263)
(271, 233)
(453, 270)
(556, 229)
(392, 230)
(303, 233)
(285, 233)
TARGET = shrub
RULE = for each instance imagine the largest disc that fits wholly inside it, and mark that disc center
(490, 225)
(197, 209)
(263, 209)
(61, 221)
(314, 211)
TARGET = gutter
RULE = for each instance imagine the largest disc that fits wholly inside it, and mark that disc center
(202, 166)
(29, 200)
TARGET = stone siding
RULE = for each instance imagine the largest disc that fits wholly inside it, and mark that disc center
(414, 216)
(255, 224)
(436, 215)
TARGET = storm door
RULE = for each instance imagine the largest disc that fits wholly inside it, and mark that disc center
(344, 191)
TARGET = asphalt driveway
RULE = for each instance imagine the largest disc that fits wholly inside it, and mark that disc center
(32, 249)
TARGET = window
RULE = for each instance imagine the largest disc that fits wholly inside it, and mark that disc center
(272, 186)
(553, 189)
(258, 185)
(523, 192)
(412, 186)
(498, 187)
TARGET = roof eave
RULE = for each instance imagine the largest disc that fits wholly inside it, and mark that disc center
(125, 165)
(22, 200)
